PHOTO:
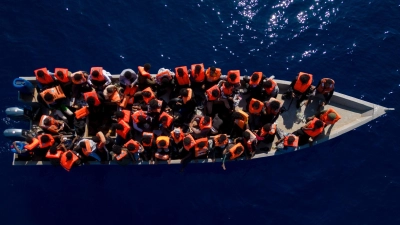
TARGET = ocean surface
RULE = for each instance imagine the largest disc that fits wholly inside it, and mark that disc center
(352, 179)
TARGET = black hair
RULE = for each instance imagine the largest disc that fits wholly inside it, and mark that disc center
(197, 69)
(267, 127)
(290, 139)
(237, 115)
(119, 126)
(146, 94)
(215, 93)
(110, 90)
(146, 139)
(116, 149)
(68, 155)
(163, 119)
(328, 81)
(53, 149)
(304, 78)
(95, 73)
(40, 73)
(255, 77)
(256, 105)
(201, 144)
(232, 76)
(268, 83)
(213, 69)
(48, 97)
(141, 119)
(128, 75)
(82, 144)
(184, 92)
(239, 149)
(187, 141)
(119, 114)
(154, 104)
(164, 81)
(78, 76)
(130, 147)
(318, 124)
(147, 67)
(91, 100)
(29, 140)
(44, 138)
(162, 143)
(222, 138)
(227, 84)
(180, 72)
(96, 139)
(60, 74)
(274, 105)
(206, 119)
(46, 121)
(246, 134)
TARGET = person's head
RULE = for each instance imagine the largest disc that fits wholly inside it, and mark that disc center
(318, 124)
(267, 83)
(177, 132)
(130, 147)
(332, 116)
(82, 144)
(184, 92)
(146, 140)
(47, 122)
(215, 93)
(163, 119)
(238, 150)
(154, 104)
(91, 100)
(60, 74)
(180, 72)
(237, 115)
(291, 139)
(232, 76)
(246, 135)
(206, 120)
(96, 139)
(53, 149)
(29, 140)
(40, 73)
(222, 138)
(78, 76)
(256, 105)
(95, 73)
(254, 77)
(162, 143)
(304, 78)
(128, 74)
(141, 119)
(146, 94)
(147, 67)
(44, 138)
(187, 141)
(328, 82)
(164, 81)
(197, 69)
(275, 105)
(228, 85)
(119, 114)
(213, 71)
(116, 149)
(201, 144)
(110, 90)
(68, 155)
(119, 126)
(48, 97)
(267, 127)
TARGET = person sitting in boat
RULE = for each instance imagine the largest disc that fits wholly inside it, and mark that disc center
(300, 88)
(128, 77)
(94, 101)
(111, 94)
(120, 156)
(88, 149)
(185, 104)
(212, 95)
(148, 143)
(181, 78)
(329, 116)
(254, 85)
(123, 132)
(312, 130)
(286, 141)
(54, 154)
(164, 82)
(163, 149)
(144, 79)
(99, 78)
(232, 152)
(270, 89)
(155, 107)
(147, 95)
(101, 142)
(79, 84)
(266, 133)
(139, 121)
(63, 78)
(272, 109)
(188, 150)
(326, 88)
(125, 115)
(233, 77)
(255, 109)
(46, 141)
(25, 148)
(227, 93)
(166, 123)
(70, 159)
(249, 141)
(197, 83)
(53, 96)
(213, 76)
(219, 143)
(134, 148)
(176, 137)
(201, 125)
(201, 148)
(52, 125)
(240, 123)
(44, 78)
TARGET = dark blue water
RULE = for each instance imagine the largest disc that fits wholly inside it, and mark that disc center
(353, 179)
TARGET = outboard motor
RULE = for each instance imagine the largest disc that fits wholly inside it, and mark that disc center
(16, 134)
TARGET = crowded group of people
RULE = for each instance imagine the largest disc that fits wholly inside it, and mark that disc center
(185, 114)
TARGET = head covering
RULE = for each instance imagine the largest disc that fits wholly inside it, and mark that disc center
(332, 116)
(177, 131)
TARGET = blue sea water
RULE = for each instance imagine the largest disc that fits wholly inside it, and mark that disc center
(352, 179)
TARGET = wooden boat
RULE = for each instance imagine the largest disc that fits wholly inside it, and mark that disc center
(354, 113)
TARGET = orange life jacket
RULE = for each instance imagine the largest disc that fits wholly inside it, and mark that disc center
(313, 132)
(93, 94)
(33, 145)
(179, 138)
(272, 88)
(68, 164)
(128, 96)
(192, 143)
(125, 131)
(253, 110)
(269, 110)
(127, 115)
(143, 72)
(47, 144)
(216, 76)
(199, 77)
(237, 79)
(184, 80)
(200, 151)
(161, 156)
(205, 126)
(162, 138)
(295, 142)
(115, 97)
(57, 93)
(54, 156)
(147, 134)
(41, 122)
(272, 130)
(163, 74)
(209, 93)
(130, 90)
(169, 119)
(47, 79)
(232, 151)
(323, 88)
(227, 91)
(102, 142)
(65, 78)
(147, 100)
(81, 81)
(242, 123)
(217, 143)
(137, 114)
(135, 143)
(257, 82)
(101, 75)
(190, 93)
(82, 112)
(324, 117)
(122, 155)
(298, 86)
(87, 149)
